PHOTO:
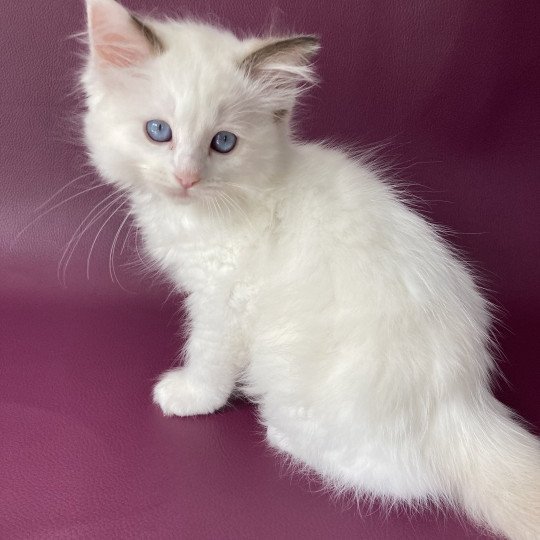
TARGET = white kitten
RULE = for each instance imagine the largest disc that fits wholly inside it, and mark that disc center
(360, 335)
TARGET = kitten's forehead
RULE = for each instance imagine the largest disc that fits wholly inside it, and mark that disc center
(200, 69)
(199, 52)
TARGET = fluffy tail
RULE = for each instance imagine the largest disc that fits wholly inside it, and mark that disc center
(493, 466)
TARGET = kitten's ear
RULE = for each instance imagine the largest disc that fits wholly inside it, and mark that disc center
(117, 38)
(284, 64)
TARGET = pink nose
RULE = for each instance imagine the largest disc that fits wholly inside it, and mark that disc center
(187, 179)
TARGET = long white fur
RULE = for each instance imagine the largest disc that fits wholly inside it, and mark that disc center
(310, 284)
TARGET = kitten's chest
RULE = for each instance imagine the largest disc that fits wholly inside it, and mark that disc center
(223, 273)
(206, 259)
(196, 265)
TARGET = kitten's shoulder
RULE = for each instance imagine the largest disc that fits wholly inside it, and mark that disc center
(332, 173)
(314, 155)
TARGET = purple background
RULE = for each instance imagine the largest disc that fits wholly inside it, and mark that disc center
(450, 92)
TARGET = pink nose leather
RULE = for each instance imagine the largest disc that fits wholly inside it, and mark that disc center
(188, 179)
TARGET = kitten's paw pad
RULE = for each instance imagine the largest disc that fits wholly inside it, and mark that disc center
(177, 395)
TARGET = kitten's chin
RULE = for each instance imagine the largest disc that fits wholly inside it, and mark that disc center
(179, 194)
(182, 194)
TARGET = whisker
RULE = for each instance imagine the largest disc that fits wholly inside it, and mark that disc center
(225, 202)
(212, 200)
(130, 228)
(41, 216)
(97, 236)
(112, 270)
(137, 247)
(89, 220)
(219, 209)
(247, 188)
(239, 208)
(210, 208)
(57, 192)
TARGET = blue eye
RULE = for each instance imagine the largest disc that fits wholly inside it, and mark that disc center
(159, 130)
(223, 142)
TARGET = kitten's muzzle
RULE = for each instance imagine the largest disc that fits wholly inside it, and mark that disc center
(188, 179)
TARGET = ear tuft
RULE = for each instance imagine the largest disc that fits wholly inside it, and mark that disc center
(155, 43)
(289, 53)
(118, 38)
(282, 68)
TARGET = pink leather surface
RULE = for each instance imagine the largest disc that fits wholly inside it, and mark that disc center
(449, 87)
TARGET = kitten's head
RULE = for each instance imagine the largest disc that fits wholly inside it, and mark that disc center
(184, 110)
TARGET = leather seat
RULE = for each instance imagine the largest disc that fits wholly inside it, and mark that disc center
(447, 94)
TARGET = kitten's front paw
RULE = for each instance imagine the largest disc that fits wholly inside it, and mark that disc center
(177, 395)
